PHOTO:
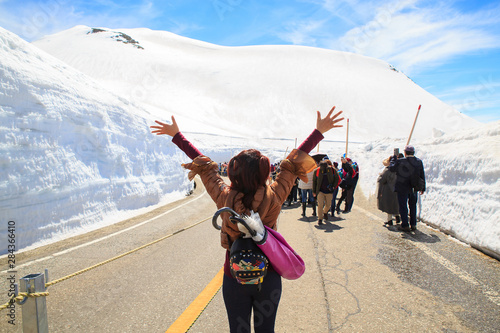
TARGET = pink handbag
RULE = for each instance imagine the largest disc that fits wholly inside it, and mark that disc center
(285, 261)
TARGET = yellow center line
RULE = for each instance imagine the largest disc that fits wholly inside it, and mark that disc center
(194, 310)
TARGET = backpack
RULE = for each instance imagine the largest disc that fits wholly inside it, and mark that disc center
(416, 182)
(336, 179)
(355, 167)
(247, 262)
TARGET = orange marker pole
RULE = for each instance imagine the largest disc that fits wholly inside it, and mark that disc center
(414, 122)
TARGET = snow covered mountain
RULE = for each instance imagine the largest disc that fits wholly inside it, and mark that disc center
(228, 87)
(76, 152)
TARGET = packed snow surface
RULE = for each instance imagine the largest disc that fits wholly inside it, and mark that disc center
(77, 153)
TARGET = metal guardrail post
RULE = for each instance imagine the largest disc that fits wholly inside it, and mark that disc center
(35, 309)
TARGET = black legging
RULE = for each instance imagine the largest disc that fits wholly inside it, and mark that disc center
(241, 299)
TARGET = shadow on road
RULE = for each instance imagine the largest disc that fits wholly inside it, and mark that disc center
(308, 219)
(328, 226)
(416, 236)
(419, 236)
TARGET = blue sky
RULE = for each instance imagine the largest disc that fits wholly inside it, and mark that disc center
(450, 48)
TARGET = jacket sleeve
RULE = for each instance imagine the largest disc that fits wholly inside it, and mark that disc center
(187, 147)
(297, 164)
(312, 140)
(393, 166)
(207, 169)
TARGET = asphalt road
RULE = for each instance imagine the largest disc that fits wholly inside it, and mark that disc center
(360, 276)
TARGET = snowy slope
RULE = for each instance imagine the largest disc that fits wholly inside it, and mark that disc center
(73, 156)
(227, 87)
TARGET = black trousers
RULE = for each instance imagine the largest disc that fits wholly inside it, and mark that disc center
(408, 200)
(241, 299)
(343, 197)
(349, 201)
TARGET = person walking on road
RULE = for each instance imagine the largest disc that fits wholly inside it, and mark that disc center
(346, 184)
(336, 190)
(325, 180)
(406, 169)
(305, 187)
(349, 201)
(248, 172)
(387, 199)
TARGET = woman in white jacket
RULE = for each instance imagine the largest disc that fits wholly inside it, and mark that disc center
(307, 193)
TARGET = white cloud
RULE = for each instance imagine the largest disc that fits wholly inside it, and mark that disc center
(410, 37)
(479, 100)
(302, 33)
(147, 8)
(182, 27)
(486, 117)
(486, 88)
(34, 19)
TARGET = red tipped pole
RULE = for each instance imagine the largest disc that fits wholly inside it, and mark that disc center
(414, 122)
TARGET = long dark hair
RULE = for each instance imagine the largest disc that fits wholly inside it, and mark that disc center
(248, 171)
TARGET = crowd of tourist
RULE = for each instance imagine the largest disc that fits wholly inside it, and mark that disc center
(321, 189)
(396, 194)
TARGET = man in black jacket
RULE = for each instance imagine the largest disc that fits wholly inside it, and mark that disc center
(405, 169)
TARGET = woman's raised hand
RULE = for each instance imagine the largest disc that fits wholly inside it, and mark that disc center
(325, 124)
(171, 130)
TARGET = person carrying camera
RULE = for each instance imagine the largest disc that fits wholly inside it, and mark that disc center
(407, 170)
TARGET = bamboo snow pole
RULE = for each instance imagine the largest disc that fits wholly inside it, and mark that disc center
(414, 122)
(295, 143)
(347, 138)
(286, 151)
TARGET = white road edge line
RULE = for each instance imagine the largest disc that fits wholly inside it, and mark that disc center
(106, 237)
(491, 294)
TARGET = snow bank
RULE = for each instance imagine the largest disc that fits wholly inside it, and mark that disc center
(73, 156)
(463, 187)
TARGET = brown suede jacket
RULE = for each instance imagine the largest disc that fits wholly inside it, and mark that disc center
(267, 200)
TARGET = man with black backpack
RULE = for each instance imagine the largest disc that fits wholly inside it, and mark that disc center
(325, 181)
(410, 180)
